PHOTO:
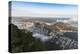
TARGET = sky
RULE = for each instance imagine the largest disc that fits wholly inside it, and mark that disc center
(33, 9)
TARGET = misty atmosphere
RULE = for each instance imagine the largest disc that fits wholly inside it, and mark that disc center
(50, 33)
(42, 27)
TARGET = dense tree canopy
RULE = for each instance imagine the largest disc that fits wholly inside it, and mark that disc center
(21, 41)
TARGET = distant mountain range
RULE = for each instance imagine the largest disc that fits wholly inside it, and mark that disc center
(58, 26)
(50, 23)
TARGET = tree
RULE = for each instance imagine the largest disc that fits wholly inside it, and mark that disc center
(22, 42)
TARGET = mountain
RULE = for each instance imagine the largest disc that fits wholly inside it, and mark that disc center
(60, 26)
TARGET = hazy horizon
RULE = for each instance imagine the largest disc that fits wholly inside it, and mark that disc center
(33, 9)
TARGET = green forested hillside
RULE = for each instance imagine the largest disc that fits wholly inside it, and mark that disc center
(21, 41)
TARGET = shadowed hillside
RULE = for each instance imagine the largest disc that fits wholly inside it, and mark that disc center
(21, 41)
